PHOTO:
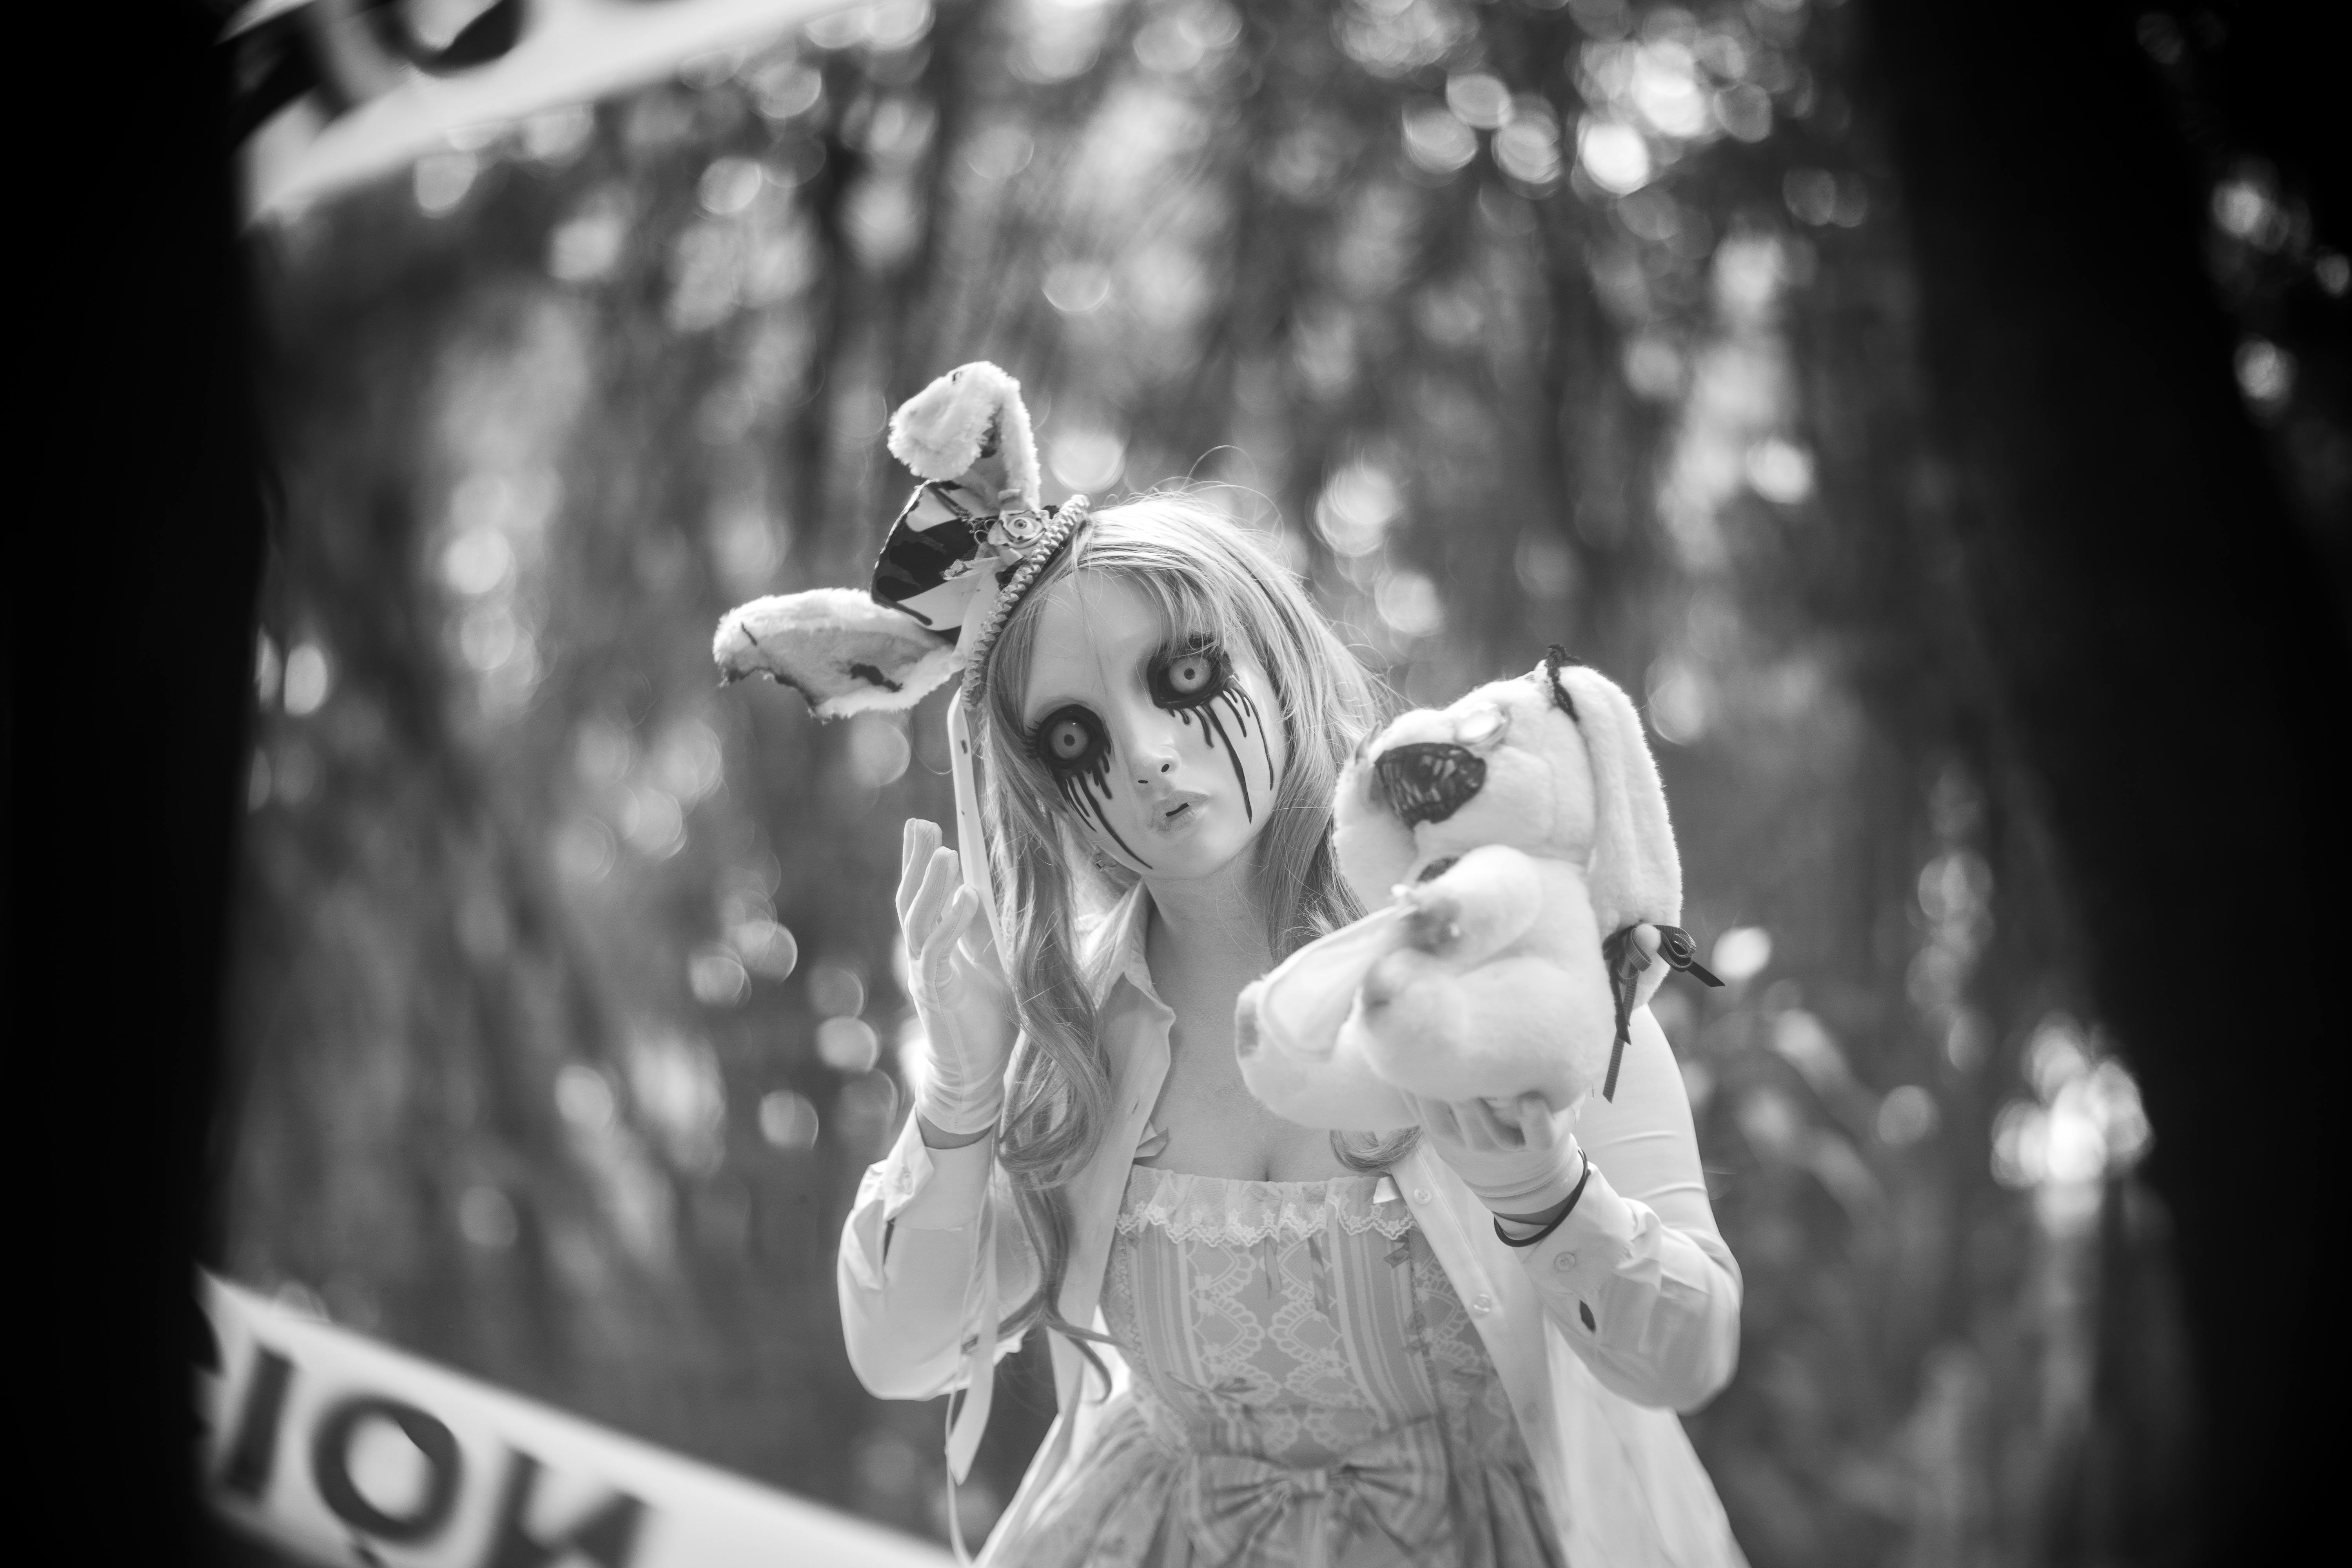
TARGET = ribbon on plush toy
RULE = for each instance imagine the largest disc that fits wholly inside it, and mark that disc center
(1626, 961)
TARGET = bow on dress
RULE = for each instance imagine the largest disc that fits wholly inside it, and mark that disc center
(1393, 1486)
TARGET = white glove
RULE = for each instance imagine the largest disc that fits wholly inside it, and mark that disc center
(1520, 1156)
(959, 990)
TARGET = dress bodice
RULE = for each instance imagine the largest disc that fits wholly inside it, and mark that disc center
(1306, 1389)
(1293, 1321)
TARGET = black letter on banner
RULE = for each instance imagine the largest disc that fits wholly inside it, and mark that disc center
(330, 1459)
(608, 1534)
(253, 1452)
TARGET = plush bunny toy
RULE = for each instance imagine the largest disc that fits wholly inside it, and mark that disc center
(1509, 847)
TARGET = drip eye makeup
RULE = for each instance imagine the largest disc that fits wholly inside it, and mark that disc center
(1191, 674)
(1067, 740)
(1070, 744)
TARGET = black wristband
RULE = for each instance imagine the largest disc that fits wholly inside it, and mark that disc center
(1565, 1210)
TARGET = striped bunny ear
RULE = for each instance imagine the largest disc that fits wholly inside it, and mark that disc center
(838, 648)
(967, 543)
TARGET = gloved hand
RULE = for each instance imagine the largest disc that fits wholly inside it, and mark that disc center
(958, 990)
(1520, 1156)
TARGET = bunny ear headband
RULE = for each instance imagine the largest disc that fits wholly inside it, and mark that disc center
(968, 544)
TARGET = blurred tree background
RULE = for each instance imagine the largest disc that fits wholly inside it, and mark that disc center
(566, 1009)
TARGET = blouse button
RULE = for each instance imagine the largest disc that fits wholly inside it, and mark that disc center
(1564, 1261)
(1482, 1305)
(1421, 1194)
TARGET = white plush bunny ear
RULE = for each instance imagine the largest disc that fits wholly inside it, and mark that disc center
(837, 648)
(969, 428)
(1635, 876)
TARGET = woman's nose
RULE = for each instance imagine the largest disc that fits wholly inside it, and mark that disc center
(1150, 747)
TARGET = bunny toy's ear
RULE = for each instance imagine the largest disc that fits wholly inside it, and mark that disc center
(1635, 876)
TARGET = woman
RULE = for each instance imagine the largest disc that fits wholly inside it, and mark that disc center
(1456, 1343)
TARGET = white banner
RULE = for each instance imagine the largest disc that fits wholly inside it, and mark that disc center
(341, 1451)
(571, 51)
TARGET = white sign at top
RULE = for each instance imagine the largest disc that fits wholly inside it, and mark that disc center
(565, 52)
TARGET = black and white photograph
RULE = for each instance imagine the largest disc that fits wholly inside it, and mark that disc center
(1188, 784)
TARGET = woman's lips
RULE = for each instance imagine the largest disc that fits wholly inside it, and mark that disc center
(1175, 816)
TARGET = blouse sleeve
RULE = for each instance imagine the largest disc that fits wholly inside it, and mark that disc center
(1638, 1275)
(910, 1270)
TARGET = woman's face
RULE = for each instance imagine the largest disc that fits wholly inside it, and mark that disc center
(1166, 747)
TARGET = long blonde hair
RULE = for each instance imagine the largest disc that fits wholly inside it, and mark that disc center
(1207, 576)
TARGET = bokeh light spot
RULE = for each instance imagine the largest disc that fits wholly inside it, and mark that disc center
(486, 1216)
(1779, 471)
(788, 1120)
(836, 989)
(784, 89)
(1409, 603)
(848, 1045)
(729, 184)
(1741, 954)
(878, 750)
(585, 849)
(584, 1097)
(768, 949)
(1906, 1115)
(1435, 140)
(309, 679)
(1356, 509)
(1544, 564)
(999, 153)
(717, 976)
(553, 137)
(1744, 111)
(2265, 374)
(1614, 156)
(479, 561)
(1085, 459)
(1681, 704)
(677, 1089)
(442, 179)
(1479, 100)
(1527, 149)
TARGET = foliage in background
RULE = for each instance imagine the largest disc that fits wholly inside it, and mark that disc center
(567, 1008)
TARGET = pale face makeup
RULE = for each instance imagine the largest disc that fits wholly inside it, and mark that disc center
(1165, 748)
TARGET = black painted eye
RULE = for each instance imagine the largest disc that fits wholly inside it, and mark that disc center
(1067, 740)
(1190, 676)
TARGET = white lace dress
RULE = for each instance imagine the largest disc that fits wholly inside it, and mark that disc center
(1306, 1390)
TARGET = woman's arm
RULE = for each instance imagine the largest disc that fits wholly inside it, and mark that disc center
(913, 1290)
(930, 1247)
(1637, 1276)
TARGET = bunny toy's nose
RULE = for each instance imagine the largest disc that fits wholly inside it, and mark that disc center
(1429, 782)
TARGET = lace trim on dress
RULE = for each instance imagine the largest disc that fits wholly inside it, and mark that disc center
(1242, 1213)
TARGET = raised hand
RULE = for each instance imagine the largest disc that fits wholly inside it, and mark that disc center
(1519, 1155)
(958, 990)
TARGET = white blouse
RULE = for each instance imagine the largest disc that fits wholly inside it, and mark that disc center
(1626, 1314)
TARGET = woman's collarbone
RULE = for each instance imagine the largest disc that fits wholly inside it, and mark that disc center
(1259, 1147)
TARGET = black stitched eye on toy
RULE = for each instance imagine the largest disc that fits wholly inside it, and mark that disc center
(1191, 676)
(1066, 740)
